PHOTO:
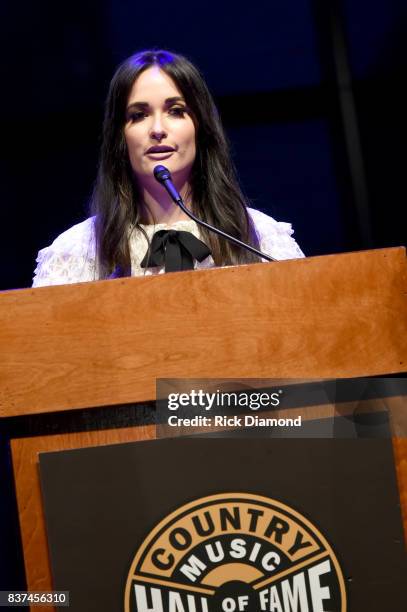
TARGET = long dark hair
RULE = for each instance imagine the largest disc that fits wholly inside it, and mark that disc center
(216, 195)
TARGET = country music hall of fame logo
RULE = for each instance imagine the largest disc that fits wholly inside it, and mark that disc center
(235, 552)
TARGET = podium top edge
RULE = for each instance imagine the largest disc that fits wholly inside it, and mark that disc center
(395, 252)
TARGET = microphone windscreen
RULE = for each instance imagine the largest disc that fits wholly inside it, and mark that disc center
(161, 174)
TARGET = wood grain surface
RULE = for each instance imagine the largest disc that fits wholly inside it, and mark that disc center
(104, 343)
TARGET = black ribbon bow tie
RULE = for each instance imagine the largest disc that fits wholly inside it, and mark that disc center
(175, 250)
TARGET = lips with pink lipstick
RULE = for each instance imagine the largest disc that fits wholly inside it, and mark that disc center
(159, 152)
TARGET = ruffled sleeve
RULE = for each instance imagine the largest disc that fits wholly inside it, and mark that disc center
(275, 236)
(70, 258)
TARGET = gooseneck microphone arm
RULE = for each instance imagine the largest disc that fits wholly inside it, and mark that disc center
(163, 176)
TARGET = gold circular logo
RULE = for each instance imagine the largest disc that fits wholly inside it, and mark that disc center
(235, 552)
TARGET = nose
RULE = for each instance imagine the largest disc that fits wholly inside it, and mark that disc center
(157, 131)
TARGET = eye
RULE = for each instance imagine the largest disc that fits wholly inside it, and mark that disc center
(135, 116)
(178, 111)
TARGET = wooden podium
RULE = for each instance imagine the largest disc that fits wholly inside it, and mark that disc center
(90, 345)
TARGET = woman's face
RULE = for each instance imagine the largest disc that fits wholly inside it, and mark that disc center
(159, 128)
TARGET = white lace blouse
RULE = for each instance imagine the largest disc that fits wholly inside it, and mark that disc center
(71, 258)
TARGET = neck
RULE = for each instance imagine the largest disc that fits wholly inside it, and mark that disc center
(158, 206)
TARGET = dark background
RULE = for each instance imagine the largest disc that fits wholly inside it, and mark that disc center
(311, 93)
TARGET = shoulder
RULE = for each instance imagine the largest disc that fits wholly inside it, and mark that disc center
(275, 237)
(76, 239)
(70, 258)
(264, 223)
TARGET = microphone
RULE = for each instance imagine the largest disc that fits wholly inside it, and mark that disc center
(163, 176)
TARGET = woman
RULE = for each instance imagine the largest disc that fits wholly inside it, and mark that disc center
(160, 112)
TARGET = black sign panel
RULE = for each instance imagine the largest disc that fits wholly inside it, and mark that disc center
(207, 525)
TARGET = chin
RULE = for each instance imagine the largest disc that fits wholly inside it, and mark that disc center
(179, 172)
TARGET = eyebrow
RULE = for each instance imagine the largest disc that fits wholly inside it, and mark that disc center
(168, 101)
